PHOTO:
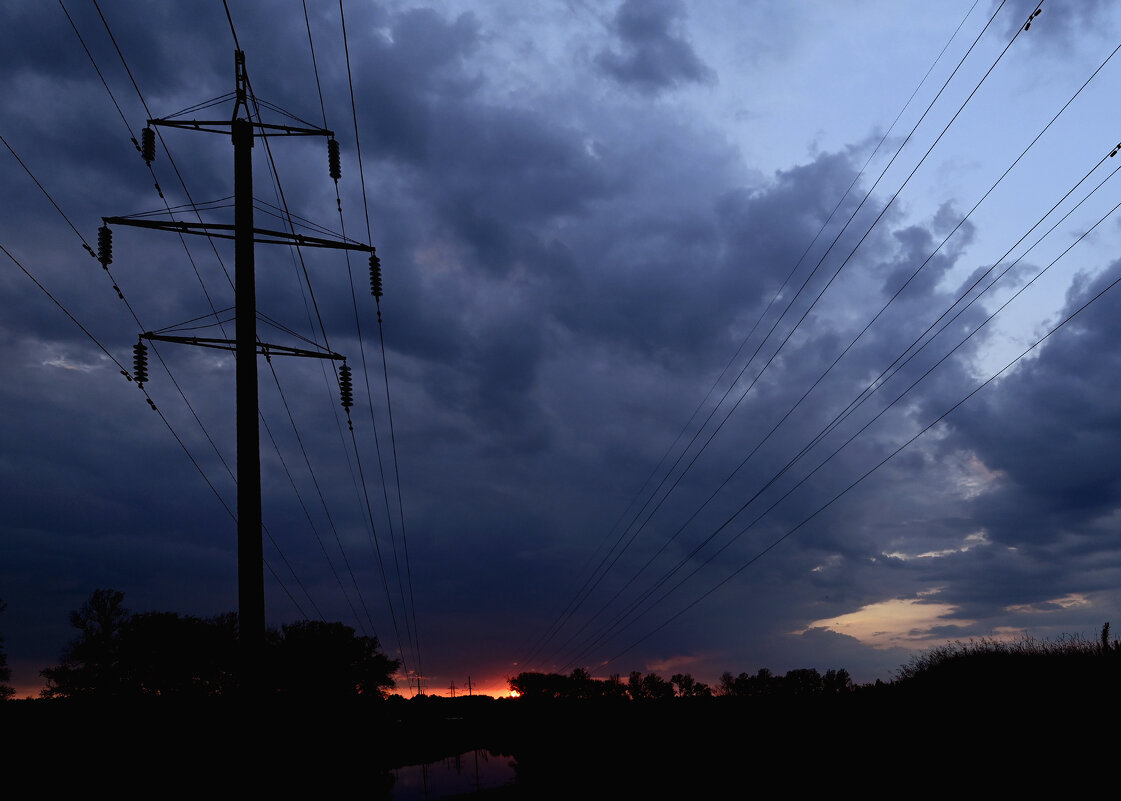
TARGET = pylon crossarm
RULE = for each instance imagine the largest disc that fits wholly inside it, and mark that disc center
(223, 127)
(264, 236)
(263, 348)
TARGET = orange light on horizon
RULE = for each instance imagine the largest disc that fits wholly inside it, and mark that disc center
(494, 688)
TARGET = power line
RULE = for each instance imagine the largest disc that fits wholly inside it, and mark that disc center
(192, 204)
(875, 383)
(381, 339)
(605, 566)
(872, 470)
(151, 403)
(618, 621)
(579, 596)
(307, 281)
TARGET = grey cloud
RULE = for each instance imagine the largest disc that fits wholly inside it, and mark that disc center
(563, 284)
(655, 57)
(1051, 430)
(1057, 26)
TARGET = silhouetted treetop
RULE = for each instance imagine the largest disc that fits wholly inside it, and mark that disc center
(799, 683)
(804, 682)
(329, 659)
(688, 687)
(91, 662)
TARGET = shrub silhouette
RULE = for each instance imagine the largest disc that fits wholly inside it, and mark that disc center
(1028, 666)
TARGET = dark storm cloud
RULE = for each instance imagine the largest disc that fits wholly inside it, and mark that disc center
(564, 281)
(655, 57)
(1049, 431)
(1037, 448)
(524, 246)
(836, 534)
(407, 75)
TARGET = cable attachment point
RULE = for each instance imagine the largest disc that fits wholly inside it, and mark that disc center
(105, 246)
(333, 162)
(346, 387)
(1116, 148)
(375, 274)
(140, 363)
(148, 145)
(1038, 11)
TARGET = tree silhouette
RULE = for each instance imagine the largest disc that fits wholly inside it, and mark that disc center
(802, 682)
(164, 653)
(6, 690)
(329, 660)
(688, 687)
(91, 662)
(613, 687)
(582, 685)
(836, 682)
(650, 687)
(167, 654)
(531, 684)
(730, 685)
(762, 684)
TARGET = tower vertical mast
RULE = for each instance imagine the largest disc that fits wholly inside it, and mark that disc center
(250, 569)
(242, 129)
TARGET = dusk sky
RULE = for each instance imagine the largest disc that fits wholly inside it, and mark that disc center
(604, 227)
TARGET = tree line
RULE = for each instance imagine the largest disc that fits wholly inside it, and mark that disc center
(120, 654)
(800, 683)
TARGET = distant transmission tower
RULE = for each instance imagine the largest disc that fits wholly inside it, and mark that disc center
(243, 130)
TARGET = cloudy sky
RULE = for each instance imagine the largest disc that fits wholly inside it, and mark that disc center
(644, 263)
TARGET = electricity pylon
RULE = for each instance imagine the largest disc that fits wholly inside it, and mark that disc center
(243, 129)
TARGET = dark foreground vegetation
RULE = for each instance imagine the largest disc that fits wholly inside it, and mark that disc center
(119, 655)
(993, 716)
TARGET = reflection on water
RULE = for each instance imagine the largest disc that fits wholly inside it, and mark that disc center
(453, 776)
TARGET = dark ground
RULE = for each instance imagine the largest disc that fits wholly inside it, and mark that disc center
(876, 741)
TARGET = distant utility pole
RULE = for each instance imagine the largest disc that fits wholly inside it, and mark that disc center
(468, 685)
(452, 688)
(243, 129)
